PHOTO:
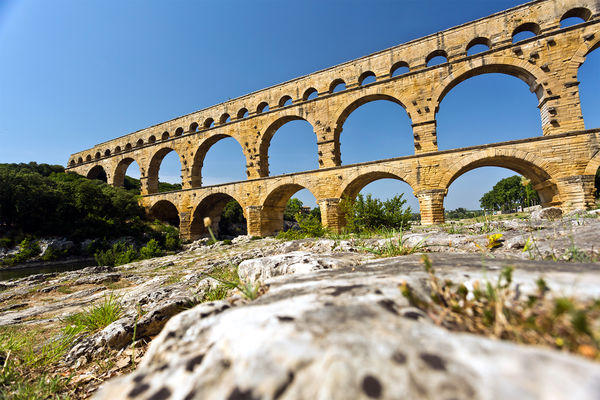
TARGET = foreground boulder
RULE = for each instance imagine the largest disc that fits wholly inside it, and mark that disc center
(348, 333)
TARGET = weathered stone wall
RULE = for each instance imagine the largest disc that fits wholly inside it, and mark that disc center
(557, 162)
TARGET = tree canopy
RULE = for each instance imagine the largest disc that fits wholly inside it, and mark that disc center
(510, 193)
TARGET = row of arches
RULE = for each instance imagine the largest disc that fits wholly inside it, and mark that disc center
(273, 205)
(439, 56)
(287, 149)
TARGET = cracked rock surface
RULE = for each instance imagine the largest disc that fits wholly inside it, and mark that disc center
(348, 333)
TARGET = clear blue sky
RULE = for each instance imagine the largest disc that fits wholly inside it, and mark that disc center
(76, 73)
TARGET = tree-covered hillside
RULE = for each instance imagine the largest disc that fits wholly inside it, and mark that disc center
(43, 200)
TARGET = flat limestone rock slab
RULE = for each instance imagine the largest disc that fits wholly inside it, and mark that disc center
(348, 333)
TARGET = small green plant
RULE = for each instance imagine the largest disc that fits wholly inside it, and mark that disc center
(309, 226)
(368, 213)
(396, 247)
(229, 279)
(94, 318)
(120, 253)
(28, 248)
(151, 250)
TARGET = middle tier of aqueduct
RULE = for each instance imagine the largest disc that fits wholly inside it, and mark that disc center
(561, 163)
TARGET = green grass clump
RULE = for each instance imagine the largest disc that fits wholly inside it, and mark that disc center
(94, 318)
(28, 364)
(28, 248)
(228, 279)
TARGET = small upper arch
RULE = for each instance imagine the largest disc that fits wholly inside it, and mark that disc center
(194, 127)
(310, 93)
(285, 101)
(525, 31)
(165, 135)
(432, 59)
(139, 143)
(208, 123)
(98, 155)
(80, 160)
(152, 139)
(337, 85)
(88, 157)
(117, 149)
(225, 118)
(579, 15)
(106, 152)
(262, 107)
(478, 45)
(399, 68)
(179, 131)
(366, 78)
(72, 162)
(243, 113)
(128, 146)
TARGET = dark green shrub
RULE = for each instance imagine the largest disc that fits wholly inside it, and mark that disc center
(369, 214)
(151, 250)
(309, 226)
(120, 253)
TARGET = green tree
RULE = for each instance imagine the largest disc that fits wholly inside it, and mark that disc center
(368, 213)
(293, 207)
(508, 194)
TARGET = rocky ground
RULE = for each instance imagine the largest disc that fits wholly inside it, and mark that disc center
(329, 320)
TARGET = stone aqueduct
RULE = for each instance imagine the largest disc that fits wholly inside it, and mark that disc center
(561, 162)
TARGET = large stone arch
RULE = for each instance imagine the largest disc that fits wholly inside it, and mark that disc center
(200, 155)
(121, 168)
(165, 211)
(593, 164)
(273, 206)
(585, 48)
(521, 69)
(97, 172)
(350, 103)
(153, 166)
(354, 183)
(267, 136)
(541, 173)
(211, 206)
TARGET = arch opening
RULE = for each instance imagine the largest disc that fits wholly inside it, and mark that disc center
(262, 107)
(285, 101)
(152, 139)
(485, 109)
(80, 160)
(166, 212)
(193, 127)
(309, 94)
(525, 31)
(218, 159)
(337, 85)
(179, 131)
(589, 89)
(289, 145)
(385, 188)
(491, 189)
(106, 153)
(436, 57)
(366, 78)
(97, 155)
(127, 175)
(373, 128)
(117, 149)
(279, 208)
(139, 143)
(575, 16)
(208, 123)
(88, 158)
(164, 171)
(227, 218)
(225, 118)
(399, 68)
(165, 136)
(97, 172)
(540, 180)
(128, 146)
(243, 113)
(478, 45)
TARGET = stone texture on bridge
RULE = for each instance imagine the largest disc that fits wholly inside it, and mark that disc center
(561, 162)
